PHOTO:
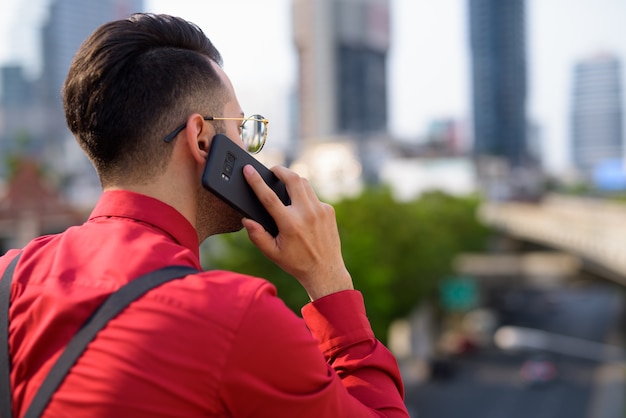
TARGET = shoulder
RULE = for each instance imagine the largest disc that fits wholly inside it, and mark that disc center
(6, 259)
(225, 295)
(197, 310)
(227, 283)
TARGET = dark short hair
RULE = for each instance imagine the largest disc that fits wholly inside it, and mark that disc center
(130, 83)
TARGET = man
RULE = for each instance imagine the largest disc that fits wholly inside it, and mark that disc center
(144, 97)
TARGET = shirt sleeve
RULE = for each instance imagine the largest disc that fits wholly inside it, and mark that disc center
(327, 365)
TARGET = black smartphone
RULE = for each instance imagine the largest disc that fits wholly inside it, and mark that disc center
(223, 176)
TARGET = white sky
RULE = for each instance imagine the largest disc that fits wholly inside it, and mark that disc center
(428, 62)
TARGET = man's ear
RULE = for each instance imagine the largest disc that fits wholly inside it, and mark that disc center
(198, 136)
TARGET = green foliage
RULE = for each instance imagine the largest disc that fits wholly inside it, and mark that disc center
(396, 252)
(620, 197)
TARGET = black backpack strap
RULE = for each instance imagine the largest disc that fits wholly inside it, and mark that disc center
(5, 363)
(112, 306)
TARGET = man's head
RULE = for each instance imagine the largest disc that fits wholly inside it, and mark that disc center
(130, 83)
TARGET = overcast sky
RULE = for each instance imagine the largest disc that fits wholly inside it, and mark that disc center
(428, 62)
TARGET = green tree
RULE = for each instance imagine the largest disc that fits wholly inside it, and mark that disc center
(397, 252)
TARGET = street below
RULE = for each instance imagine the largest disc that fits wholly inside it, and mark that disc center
(490, 383)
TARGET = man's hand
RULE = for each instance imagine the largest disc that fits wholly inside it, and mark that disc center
(307, 245)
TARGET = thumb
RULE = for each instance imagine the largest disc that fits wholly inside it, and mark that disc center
(257, 234)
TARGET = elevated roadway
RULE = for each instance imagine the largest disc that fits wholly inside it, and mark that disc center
(594, 230)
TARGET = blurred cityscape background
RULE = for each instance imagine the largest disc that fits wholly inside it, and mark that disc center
(473, 149)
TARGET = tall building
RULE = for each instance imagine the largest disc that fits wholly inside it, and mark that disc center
(36, 125)
(22, 118)
(342, 48)
(68, 24)
(498, 54)
(16, 89)
(596, 113)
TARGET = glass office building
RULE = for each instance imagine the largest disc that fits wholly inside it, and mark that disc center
(596, 112)
(498, 55)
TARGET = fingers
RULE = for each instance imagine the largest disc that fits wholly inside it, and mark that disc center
(307, 245)
(264, 193)
(298, 187)
(257, 234)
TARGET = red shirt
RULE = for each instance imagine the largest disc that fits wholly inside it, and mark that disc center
(216, 343)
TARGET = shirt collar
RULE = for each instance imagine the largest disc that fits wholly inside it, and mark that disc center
(126, 204)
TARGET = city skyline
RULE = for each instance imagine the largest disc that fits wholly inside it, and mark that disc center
(428, 62)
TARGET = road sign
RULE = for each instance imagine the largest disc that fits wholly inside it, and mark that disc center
(459, 293)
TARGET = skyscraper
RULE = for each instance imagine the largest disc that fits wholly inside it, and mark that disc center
(596, 112)
(342, 48)
(16, 90)
(36, 125)
(498, 53)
